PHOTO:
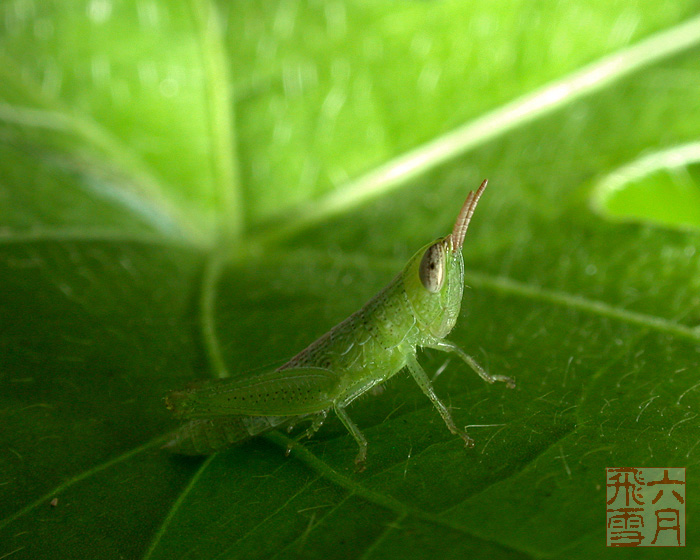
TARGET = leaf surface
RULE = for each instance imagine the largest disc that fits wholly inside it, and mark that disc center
(193, 187)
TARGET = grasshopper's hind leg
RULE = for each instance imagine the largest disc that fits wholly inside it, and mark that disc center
(447, 346)
(424, 383)
(203, 436)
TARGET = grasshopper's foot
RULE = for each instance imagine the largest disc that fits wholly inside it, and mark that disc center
(361, 459)
(509, 381)
(468, 442)
(292, 443)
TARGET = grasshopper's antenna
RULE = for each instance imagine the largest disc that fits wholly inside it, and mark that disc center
(465, 214)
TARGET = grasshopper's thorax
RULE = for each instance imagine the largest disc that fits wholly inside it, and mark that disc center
(434, 280)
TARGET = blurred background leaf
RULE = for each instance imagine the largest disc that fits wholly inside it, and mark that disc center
(186, 186)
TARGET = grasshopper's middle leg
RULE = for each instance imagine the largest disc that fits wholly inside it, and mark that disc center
(447, 346)
(424, 383)
(316, 424)
(354, 431)
(339, 406)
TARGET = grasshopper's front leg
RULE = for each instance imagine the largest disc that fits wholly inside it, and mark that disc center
(424, 383)
(448, 346)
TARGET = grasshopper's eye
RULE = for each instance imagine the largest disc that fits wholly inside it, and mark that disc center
(432, 268)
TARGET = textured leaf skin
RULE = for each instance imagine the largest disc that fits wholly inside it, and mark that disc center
(194, 187)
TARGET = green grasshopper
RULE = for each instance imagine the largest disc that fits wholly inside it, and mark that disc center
(418, 308)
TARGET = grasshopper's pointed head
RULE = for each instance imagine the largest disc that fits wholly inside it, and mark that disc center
(434, 277)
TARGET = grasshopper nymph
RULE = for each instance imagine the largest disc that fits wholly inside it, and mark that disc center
(418, 308)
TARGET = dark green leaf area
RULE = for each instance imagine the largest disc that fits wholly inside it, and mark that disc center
(94, 334)
(96, 509)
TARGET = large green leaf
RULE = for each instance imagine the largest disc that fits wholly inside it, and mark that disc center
(189, 189)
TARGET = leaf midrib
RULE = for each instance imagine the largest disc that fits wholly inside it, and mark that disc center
(549, 98)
